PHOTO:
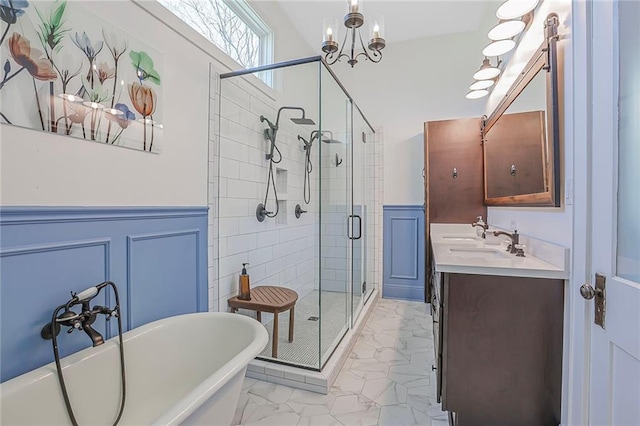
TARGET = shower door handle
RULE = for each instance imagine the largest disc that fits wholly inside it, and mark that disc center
(349, 233)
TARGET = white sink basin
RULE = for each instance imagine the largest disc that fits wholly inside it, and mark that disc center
(479, 252)
(458, 238)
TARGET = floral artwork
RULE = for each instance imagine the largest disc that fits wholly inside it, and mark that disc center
(67, 71)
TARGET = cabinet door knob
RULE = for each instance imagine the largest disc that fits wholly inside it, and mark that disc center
(455, 173)
(434, 368)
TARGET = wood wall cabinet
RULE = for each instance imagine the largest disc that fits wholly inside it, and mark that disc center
(454, 183)
(498, 344)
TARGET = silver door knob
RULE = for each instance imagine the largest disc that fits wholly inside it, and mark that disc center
(589, 292)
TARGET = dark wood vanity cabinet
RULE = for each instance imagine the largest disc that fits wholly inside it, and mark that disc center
(498, 344)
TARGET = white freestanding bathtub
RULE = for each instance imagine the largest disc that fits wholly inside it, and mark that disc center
(186, 369)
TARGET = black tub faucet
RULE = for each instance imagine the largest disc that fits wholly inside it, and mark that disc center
(82, 320)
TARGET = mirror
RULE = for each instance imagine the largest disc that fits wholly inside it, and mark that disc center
(521, 138)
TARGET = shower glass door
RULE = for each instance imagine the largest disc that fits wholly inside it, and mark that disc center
(361, 211)
(334, 174)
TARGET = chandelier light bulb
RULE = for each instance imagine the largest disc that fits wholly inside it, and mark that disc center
(481, 84)
(506, 30)
(512, 9)
(477, 94)
(498, 48)
(329, 34)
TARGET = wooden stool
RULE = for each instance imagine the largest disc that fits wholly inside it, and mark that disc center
(270, 299)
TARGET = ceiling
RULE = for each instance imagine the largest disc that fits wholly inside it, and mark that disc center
(404, 20)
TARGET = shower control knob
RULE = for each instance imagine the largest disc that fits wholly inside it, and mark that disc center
(299, 211)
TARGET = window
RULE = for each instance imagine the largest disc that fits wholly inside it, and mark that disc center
(232, 26)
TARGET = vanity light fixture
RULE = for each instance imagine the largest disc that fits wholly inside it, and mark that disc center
(481, 84)
(487, 71)
(506, 30)
(477, 94)
(353, 20)
(514, 17)
(512, 9)
(499, 48)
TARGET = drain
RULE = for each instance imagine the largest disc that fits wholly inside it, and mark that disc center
(313, 318)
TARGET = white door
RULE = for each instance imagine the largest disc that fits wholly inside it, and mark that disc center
(614, 364)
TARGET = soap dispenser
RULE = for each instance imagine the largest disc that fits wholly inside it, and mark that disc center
(245, 289)
(480, 227)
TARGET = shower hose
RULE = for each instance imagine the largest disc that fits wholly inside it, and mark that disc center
(271, 180)
(56, 355)
(307, 175)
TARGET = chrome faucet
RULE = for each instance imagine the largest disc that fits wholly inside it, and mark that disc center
(484, 226)
(515, 238)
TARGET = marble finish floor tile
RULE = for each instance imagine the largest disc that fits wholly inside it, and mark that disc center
(387, 380)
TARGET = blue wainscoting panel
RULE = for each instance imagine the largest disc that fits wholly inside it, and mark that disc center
(156, 256)
(403, 253)
(167, 261)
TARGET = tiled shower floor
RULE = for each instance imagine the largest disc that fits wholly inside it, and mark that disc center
(387, 380)
(304, 348)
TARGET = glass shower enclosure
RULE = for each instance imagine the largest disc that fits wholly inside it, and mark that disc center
(293, 184)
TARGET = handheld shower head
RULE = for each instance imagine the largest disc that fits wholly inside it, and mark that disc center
(307, 144)
(271, 125)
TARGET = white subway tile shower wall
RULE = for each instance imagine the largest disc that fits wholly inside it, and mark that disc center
(278, 254)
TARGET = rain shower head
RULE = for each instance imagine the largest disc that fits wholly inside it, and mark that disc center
(327, 136)
(325, 140)
(304, 121)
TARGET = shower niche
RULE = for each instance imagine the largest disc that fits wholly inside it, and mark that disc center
(297, 198)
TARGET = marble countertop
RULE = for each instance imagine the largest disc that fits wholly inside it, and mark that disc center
(457, 250)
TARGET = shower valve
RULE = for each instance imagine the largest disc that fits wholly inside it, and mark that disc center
(299, 211)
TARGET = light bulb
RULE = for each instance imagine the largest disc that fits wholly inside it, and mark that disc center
(486, 71)
(481, 84)
(477, 94)
(507, 29)
(376, 31)
(498, 48)
(515, 8)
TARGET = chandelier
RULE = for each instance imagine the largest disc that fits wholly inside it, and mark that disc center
(353, 20)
